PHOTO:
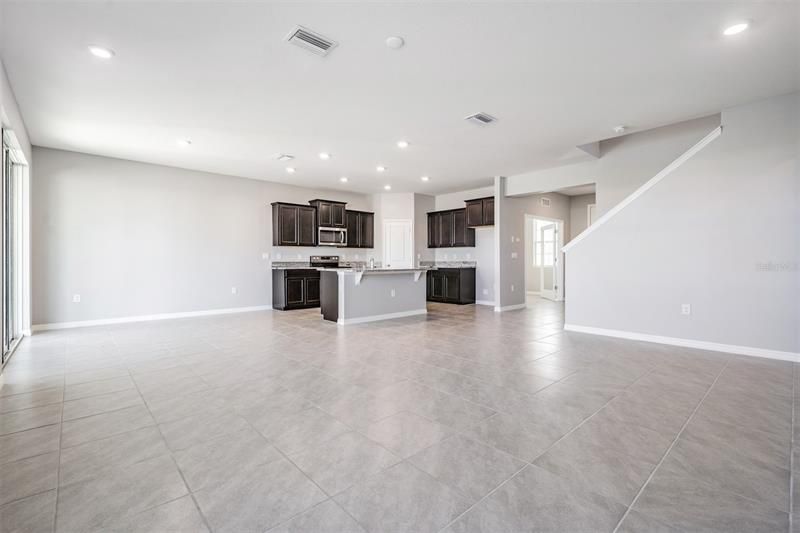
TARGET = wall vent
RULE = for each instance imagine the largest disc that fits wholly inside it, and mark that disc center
(545, 202)
(311, 40)
(481, 118)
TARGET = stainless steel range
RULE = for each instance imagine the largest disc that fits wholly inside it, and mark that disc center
(326, 261)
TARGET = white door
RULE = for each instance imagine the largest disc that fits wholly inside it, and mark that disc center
(549, 271)
(397, 247)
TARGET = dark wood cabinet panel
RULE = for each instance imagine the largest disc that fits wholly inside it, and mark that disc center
(330, 214)
(360, 229)
(480, 211)
(452, 285)
(294, 225)
(295, 289)
(460, 227)
(352, 220)
(448, 229)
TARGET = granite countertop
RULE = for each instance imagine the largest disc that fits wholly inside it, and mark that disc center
(450, 264)
(377, 269)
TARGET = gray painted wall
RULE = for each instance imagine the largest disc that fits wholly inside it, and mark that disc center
(721, 233)
(578, 214)
(138, 239)
(626, 163)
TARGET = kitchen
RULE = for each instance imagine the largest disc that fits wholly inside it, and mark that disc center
(358, 290)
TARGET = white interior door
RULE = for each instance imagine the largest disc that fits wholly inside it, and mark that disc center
(549, 271)
(397, 244)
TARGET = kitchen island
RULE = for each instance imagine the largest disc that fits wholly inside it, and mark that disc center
(352, 296)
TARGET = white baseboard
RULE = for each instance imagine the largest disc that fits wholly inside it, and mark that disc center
(498, 309)
(484, 302)
(147, 318)
(688, 343)
(375, 318)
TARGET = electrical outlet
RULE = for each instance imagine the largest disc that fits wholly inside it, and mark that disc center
(512, 288)
(485, 292)
(234, 290)
(277, 256)
(514, 255)
(686, 309)
(265, 255)
(76, 298)
(469, 256)
(393, 293)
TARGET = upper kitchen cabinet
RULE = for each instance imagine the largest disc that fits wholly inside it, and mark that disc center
(360, 229)
(330, 214)
(448, 229)
(480, 212)
(293, 225)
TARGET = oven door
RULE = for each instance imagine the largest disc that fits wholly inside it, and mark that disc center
(332, 237)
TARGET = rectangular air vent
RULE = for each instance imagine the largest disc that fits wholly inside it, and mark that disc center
(311, 40)
(545, 202)
(481, 118)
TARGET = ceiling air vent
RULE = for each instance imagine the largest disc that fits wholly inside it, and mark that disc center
(311, 40)
(481, 118)
(545, 202)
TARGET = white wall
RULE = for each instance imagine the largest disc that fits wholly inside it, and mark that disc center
(423, 203)
(10, 116)
(137, 239)
(721, 233)
(626, 163)
(578, 214)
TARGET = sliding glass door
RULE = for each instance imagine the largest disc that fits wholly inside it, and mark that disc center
(10, 275)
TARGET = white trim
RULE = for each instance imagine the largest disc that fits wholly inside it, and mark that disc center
(498, 309)
(375, 318)
(147, 318)
(485, 302)
(688, 343)
(644, 188)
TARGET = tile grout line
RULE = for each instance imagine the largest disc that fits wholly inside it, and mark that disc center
(172, 457)
(791, 455)
(671, 446)
(60, 434)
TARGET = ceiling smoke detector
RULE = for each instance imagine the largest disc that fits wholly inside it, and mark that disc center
(620, 129)
(284, 157)
(311, 41)
(481, 118)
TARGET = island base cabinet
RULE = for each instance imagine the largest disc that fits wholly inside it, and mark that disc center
(295, 289)
(452, 285)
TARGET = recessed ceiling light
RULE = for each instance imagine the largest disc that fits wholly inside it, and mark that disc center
(402, 144)
(185, 142)
(395, 42)
(290, 170)
(324, 155)
(101, 51)
(284, 157)
(736, 28)
(343, 179)
(380, 168)
(425, 178)
(387, 187)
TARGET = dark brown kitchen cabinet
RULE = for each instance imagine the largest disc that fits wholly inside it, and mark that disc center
(452, 285)
(480, 212)
(293, 225)
(448, 229)
(295, 289)
(330, 214)
(360, 229)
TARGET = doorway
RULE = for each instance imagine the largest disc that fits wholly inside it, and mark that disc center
(544, 271)
(397, 244)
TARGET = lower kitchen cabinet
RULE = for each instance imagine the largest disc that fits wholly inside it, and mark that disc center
(295, 289)
(452, 285)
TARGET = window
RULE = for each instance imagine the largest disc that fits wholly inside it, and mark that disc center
(544, 237)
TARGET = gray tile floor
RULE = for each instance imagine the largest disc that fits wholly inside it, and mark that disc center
(462, 421)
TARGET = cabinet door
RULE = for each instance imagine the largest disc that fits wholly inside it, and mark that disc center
(295, 292)
(353, 222)
(460, 227)
(366, 230)
(437, 286)
(488, 212)
(307, 227)
(338, 215)
(312, 291)
(433, 230)
(452, 280)
(475, 213)
(446, 229)
(325, 215)
(287, 225)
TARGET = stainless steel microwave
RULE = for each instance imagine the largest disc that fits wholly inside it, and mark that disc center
(332, 236)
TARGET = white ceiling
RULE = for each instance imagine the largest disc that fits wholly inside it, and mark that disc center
(554, 74)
